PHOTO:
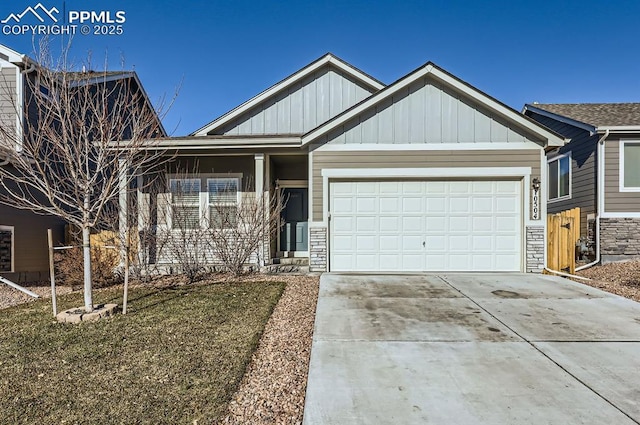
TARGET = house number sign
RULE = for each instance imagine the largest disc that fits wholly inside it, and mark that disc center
(535, 207)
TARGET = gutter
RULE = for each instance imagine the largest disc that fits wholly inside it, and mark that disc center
(600, 188)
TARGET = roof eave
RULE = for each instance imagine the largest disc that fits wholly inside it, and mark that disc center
(618, 129)
(560, 118)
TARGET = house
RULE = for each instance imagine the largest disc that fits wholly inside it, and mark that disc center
(23, 235)
(598, 171)
(425, 174)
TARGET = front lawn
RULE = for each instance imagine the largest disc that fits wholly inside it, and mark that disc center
(177, 357)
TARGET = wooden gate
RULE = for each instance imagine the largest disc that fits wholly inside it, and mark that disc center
(563, 231)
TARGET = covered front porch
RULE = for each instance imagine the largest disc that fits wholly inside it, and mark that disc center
(279, 176)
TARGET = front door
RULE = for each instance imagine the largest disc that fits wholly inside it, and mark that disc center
(293, 236)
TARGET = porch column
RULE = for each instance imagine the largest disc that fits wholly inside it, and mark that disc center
(259, 175)
(259, 181)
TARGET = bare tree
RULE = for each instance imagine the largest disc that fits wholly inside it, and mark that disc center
(82, 132)
(240, 232)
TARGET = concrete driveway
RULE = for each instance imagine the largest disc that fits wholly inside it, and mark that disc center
(472, 349)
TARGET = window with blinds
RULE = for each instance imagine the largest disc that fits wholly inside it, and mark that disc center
(223, 202)
(185, 203)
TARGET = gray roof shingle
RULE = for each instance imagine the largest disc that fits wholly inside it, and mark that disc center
(596, 114)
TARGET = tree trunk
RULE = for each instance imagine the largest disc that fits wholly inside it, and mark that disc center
(86, 250)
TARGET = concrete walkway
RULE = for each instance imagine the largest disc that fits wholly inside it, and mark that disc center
(472, 349)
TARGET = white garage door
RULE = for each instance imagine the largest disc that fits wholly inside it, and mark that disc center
(425, 226)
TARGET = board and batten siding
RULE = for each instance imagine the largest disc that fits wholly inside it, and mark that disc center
(7, 96)
(583, 169)
(416, 159)
(302, 107)
(425, 112)
(614, 200)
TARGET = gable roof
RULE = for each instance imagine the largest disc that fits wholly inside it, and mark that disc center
(594, 114)
(327, 59)
(430, 69)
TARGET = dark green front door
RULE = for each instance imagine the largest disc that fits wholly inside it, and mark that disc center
(293, 236)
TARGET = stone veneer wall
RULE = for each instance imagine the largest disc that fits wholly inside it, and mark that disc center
(619, 239)
(535, 249)
(318, 249)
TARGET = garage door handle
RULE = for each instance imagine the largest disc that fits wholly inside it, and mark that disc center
(424, 244)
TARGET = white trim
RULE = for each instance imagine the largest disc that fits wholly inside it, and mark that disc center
(543, 205)
(600, 186)
(558, 158)
(618, 128)
(12, 55)
(560, 118)
(353, 147)
(425, 172)
(287, 82)
(20, 105)
(621, 186)
(620, 215)
(13, 247)
(430, 69)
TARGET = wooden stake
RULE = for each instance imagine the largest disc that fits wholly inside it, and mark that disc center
(126, 273)
(52, 273)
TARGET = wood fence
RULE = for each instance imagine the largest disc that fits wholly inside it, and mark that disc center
(563, 231)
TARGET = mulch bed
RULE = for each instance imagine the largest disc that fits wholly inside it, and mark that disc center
(618, 278)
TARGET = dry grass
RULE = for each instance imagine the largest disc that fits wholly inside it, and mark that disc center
(618, 278)
(178, 357)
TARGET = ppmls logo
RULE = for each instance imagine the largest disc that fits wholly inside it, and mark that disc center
(85, 22)
(33, 11)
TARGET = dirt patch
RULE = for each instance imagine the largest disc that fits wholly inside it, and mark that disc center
(618, 278)
(10, 297)
(506, 294)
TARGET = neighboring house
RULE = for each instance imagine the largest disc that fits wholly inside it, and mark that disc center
(598, 171)
(23, 234)
(426, 174)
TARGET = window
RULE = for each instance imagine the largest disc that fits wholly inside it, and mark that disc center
(560, 177)
(223, 200)
(6, 249)
(192, 207)
(185, 203)
(630, 166)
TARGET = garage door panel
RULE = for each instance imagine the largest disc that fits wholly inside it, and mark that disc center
(367, 205)
(390, 224)
(426, 226)
(366, 224)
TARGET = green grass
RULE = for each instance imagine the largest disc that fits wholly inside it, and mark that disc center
(177, 356)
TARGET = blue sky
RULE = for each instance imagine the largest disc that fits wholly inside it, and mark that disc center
(223, 53)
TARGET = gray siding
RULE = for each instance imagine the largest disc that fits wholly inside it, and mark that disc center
(8, 98)
(425, 112)
(302, 107)
(583, 169)
(416, 159)
(614, 200)
(31, 256)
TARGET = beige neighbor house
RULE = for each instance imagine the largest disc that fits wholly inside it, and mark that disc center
(425, 174)
(24, 253)
(598, 171)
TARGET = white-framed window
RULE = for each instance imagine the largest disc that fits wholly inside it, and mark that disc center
(185, 203)
(630, 166)
(559, 177)
(206, 200)
(6, 249)
(222, 202)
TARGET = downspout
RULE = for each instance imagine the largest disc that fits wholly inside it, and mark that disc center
(600, 188)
